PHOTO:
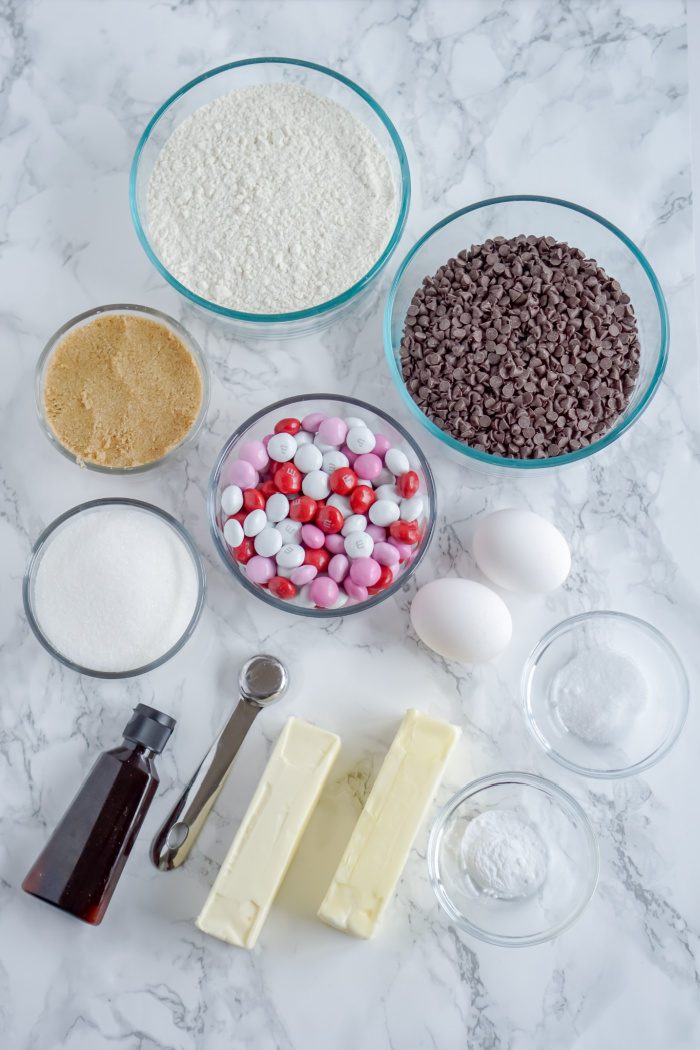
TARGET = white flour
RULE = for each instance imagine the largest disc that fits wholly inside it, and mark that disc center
(504, 855)
(115, 589)
(271, 199)
(598, 695)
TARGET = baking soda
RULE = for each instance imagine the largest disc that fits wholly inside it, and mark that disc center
(115, 589)
(504, 855)
(598, 695)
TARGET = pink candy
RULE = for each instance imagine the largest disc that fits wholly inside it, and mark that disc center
(381, 445)
(386, 553)
(241, 473)
(365, 572)
(354, 590)
(335, 543)
(377, 532)
(312, 536)
(304, 574)
(323, 591)
(338, 567)
(368, 466)
(332, 431)
(254, 452)
(260, 570)
(405, 551)
(312, 422)
(349, 454)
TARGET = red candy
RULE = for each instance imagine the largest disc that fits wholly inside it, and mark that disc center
(288, 479)
(245, 551)
(329, 519)
(268, 488)
(343, 481)
(408, 484)
(302, 509)
(253, 499)
(239, 516)
(361, 499)
(405, 531)
(319, 558)
(385, 578)
(288, 426)
(281, 587)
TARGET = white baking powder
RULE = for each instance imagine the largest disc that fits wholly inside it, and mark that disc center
(504, 855)
(271, 199)
(115, 588)
(598, 695)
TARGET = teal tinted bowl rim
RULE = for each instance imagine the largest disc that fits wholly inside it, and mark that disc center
(549, 461)
(295, 315)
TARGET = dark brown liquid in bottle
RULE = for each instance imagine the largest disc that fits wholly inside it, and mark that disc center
(80, 866)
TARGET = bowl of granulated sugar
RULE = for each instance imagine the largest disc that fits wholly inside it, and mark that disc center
(114, 588)
(270, 193)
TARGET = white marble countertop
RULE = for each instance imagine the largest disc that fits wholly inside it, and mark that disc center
(586, 100)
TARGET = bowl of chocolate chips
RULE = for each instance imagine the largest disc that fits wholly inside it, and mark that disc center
(526, 333)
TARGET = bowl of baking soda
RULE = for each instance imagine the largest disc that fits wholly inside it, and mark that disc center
(605, 694)
(513, 859)
(270, 193)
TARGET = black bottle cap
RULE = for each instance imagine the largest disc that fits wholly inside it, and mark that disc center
(149, 727)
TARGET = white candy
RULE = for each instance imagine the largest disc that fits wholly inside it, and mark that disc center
(354, 523)
(334, 459)
(359, 545)
(308, 458)
(304, 438)
(389, 492)
(411, 509)
(233, 533)
(316, 484)
(284, 573)
(355, 421)
(384, 512)
(323, 446)
(255, 522)
(303, 597)
(268, 542)
(341, 502)
(291, 556)
(360, 439)
(231, 499)
(282, 447)
(397, 461)
(340, 601)
(289, 530)
(277, 507)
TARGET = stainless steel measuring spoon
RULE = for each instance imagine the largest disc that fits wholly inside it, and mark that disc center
(263, 680)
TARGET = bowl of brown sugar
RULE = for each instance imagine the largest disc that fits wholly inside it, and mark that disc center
(121, 388)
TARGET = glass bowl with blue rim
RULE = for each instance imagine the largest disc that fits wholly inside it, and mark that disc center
(598, 239)
(253, 72)
(260, 425)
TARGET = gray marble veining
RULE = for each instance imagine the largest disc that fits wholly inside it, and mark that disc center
(583, 99)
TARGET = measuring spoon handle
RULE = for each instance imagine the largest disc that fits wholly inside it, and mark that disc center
(179, 832)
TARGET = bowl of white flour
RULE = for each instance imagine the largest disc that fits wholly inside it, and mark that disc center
(270, 193)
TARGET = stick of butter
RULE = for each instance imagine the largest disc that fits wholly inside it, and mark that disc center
(375, 856)
(267, 839)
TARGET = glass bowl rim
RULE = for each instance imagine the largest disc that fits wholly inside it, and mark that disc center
(553, 791)
(563, 627)
(33, 560)
(295, 315)
(189, 341)
(549, 461)
(261, 593)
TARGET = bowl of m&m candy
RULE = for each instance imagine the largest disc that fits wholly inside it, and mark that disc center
(321, 505)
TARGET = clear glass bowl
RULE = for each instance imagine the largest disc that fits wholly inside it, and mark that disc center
(42, 545)
(248, 73)
(572, 852)
(543, 216)
(655, 728)
(85, 318)
(262, 423)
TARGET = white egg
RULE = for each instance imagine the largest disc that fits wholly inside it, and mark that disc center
(520, 551)
(461, 620)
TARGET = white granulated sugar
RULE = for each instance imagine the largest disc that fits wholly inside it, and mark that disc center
(598, 695)
(504, 855)
(271, 199)
(115, 589)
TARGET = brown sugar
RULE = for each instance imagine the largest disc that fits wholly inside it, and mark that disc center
(121, 391)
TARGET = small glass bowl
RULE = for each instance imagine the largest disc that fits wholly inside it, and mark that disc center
(41, 546)
(140, 311)
(573, 861)
(655, 728)
(262, 423)
(581, 228)
(249, 73)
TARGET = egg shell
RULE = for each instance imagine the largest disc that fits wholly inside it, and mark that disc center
(461, 620)
(521, 551)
